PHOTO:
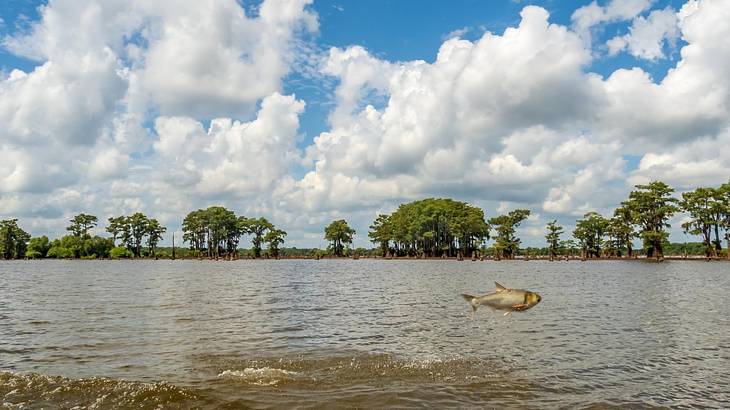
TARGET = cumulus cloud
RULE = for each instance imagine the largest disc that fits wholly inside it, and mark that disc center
(511, 119)
(587, 17)
(231, 158)
(103, 67)
(647, 36)
(514, 118)
(466, 124)
(208, 59)
(690, 102)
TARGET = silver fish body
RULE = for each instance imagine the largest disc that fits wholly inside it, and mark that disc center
(509, 300)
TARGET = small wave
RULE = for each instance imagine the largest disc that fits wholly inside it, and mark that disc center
(264, 376)
(40, 390)
(357, 369)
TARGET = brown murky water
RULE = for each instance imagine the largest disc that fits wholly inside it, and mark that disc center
(367, 333)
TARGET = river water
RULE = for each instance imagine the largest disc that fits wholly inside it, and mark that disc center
(361, 333)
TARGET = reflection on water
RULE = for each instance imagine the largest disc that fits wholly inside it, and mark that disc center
(361, 333)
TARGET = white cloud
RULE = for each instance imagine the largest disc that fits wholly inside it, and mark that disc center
(699, 162)
(463, 124)
(512, 119)
(105, 66)
(232, 158)
(459, 32)
(66, 100)
(648, 36)
(209, 59)
(587, 17)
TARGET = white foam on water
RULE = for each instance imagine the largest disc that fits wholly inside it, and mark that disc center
(264, 376)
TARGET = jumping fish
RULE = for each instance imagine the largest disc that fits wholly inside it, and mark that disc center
(504, 298)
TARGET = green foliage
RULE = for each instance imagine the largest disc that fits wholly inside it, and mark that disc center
(59, 252)
(13, 240)
(133, 229)
(274, 238)
(81, 224)
(589, 232)
(117, 228)
(432, 228)
(688, 248)
(381, 233)
(651, 206)
(621, 232)
(257, 228)
(569, 247)
(38, 247)
(707, 209)
(137, 229)
(120, 252)
(87, 247)
(339, 234)
(506, 243)
(216, 231)
(154, 235)
(553, 237)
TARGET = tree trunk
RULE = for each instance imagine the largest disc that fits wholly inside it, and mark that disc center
(718, 247)
(658, 252)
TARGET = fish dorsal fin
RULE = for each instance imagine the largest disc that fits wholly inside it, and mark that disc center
(500, 288)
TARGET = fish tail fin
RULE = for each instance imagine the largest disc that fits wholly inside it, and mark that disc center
(472, 301)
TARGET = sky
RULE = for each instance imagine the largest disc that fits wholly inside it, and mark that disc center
(309, 111)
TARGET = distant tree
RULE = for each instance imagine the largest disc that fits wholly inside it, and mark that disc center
(724, 191)
(216, 231)
(569, 246)
(704, 206)
(154, 235)
(59, 251)
(651, 207)
(257, 228)
(38, 247)
(431, 227)
(86, 246)
(96, 247)
(13, 240)
(274, 238)
(506, 242)
(138, 228)
(380, 233)
(195, 229)
(81, 224)
(621, 230)
(339, 234)
(553, 237)
(223, 231)
(117, 228)
(589, 232)
(120, 252)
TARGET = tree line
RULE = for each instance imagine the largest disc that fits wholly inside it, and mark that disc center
(433, 227)
(213, 232)
(430, 228)
(447, 228)
(645, 215)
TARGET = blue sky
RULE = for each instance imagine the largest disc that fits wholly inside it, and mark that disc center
(304, 111)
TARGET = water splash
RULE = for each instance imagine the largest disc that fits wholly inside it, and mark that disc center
(265, 376)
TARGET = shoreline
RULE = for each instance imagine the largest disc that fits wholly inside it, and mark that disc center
(406, 258)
